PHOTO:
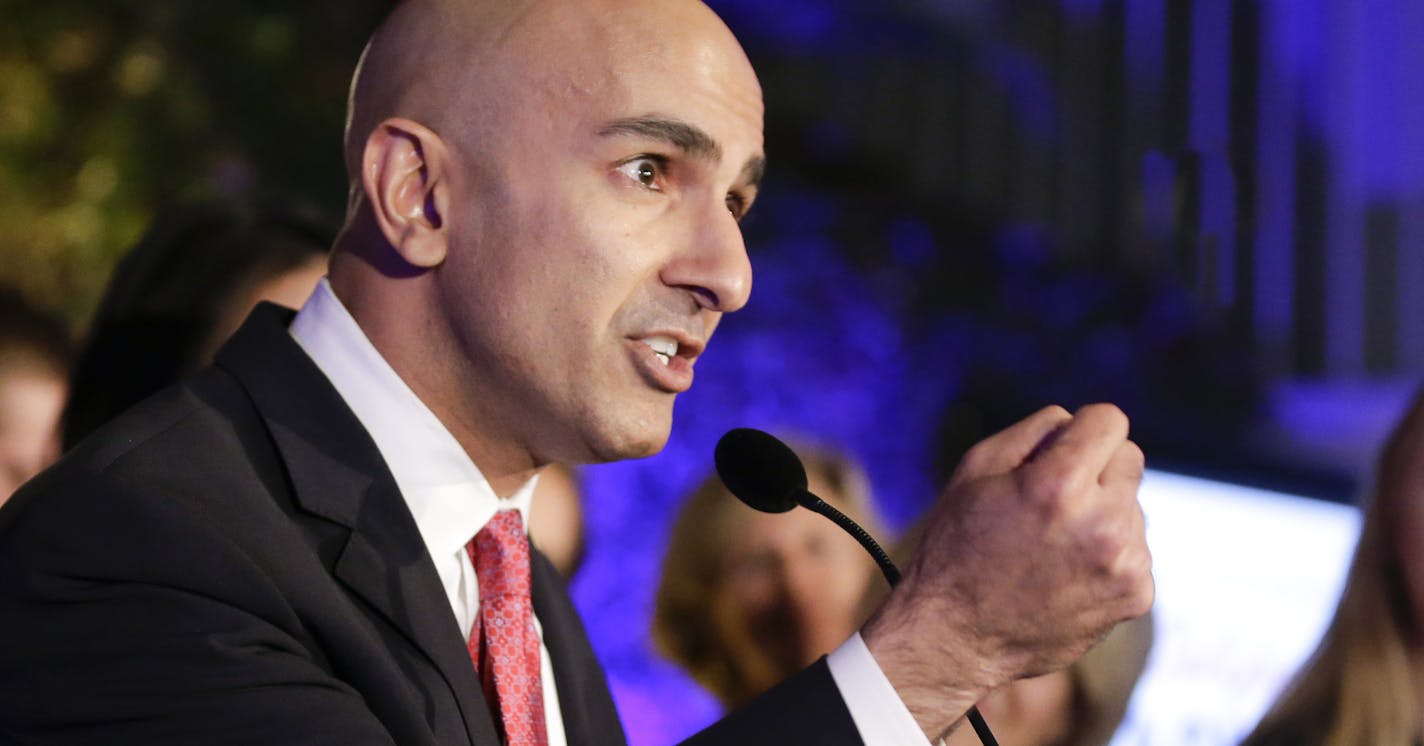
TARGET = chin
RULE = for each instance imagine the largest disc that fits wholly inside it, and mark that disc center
(630, 444)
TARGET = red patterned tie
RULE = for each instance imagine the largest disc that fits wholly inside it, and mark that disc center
(503, 644)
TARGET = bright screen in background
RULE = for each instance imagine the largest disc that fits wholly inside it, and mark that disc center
(1247, 581)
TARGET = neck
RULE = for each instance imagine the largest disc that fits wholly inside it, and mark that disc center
(394, 312)
(503, 463)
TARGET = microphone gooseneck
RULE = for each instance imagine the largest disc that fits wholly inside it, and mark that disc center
(887, 566)
(768, 476)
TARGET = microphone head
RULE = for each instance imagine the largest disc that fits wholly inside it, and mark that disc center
(760, 470)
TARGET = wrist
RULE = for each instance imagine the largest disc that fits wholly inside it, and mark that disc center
(935, 674)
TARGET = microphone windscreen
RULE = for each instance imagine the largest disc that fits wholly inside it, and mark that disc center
(760, 470)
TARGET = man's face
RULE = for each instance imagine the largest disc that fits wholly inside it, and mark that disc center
(593, 230)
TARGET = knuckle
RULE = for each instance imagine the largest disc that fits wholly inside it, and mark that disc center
(1148, 597)
(1096, 409)
(1120, 550)
(1113, 557)
(1053, 411)
(1135, 573)
(1143, 596)
(973, 461)
(1109, 413)
(1133, 452)
(1063, 483)
(1047, 486)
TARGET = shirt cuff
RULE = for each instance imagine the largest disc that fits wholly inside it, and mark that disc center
(879, 714)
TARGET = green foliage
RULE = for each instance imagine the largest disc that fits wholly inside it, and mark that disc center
(110, 110)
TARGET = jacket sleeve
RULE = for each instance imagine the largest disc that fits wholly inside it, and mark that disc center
(806, 708)
(129, 622)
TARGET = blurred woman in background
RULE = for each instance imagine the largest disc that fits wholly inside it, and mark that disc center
(1081, 705)
(1364, 682)
(749, 598)
(180, 293)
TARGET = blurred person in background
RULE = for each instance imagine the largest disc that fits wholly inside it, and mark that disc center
(180, 293)
(1082, 705)
(34, 365)
(749, 598)
(1364, 683)
(556, 518)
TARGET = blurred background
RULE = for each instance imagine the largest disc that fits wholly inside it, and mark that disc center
(1210, 212)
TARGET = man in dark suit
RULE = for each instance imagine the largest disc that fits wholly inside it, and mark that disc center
(293, 546)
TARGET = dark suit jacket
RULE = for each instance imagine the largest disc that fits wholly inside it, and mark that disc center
(231, 562)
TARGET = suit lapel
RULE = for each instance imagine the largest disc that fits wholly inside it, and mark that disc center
(338, 473)
(590, 717)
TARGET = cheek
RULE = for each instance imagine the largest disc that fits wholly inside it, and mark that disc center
(850, 570)
(582, 260)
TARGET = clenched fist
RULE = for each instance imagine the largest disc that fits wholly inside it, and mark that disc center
(1034, 551)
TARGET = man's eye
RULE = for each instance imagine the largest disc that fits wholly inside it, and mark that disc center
(645, 170)
(737, 205)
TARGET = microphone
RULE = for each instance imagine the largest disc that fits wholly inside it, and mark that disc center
(768, 476)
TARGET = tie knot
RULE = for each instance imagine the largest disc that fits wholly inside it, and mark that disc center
(506, 526)
(500, 553)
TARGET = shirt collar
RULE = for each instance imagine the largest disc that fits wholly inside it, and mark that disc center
(446, 493)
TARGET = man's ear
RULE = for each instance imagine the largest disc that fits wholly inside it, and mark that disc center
(403, 171)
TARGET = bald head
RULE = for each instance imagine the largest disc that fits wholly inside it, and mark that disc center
(459, 66)
(410, 66)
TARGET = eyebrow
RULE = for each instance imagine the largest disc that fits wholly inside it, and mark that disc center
(754, 170)
(688, 138)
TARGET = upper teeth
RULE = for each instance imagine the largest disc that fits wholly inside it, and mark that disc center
(664, 347)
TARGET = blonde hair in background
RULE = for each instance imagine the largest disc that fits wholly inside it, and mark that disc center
(685, 627)
(1359, 686)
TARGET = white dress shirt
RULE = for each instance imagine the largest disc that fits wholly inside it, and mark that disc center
(451, 501)
(447, 495)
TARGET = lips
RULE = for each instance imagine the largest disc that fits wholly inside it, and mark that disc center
(666, 360)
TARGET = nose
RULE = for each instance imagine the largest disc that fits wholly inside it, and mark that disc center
(713, 264)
